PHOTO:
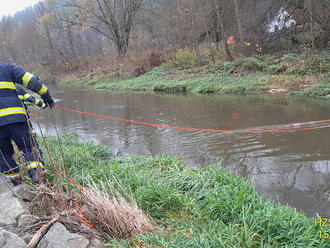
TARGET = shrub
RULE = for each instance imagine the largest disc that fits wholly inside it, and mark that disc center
(184, 58)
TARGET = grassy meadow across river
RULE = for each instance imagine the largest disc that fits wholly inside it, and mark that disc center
(304, 74)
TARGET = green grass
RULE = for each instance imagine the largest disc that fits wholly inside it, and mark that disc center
(206, 207)
(321, 90)
(300, 74)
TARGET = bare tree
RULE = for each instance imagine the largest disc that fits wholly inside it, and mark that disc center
(194, 31)
(113, 19)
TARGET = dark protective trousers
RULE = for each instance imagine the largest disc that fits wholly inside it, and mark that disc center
(25, 141)
(35, 142)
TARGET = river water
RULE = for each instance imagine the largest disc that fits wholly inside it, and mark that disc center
(290, 168)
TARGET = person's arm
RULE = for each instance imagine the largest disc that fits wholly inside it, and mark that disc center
(32, 83)
(27, 98)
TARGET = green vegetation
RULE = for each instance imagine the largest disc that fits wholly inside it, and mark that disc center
(304, 74)
(192, 207)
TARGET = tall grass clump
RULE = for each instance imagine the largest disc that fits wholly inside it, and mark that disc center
(111, 213)
(205, 207)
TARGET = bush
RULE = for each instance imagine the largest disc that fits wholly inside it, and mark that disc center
(184, 58)
(247, 64)
(311, 64)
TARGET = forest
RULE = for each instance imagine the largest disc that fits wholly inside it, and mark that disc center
(169, 165)
(130, 37)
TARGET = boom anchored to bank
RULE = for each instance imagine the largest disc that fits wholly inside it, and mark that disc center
(296, 127)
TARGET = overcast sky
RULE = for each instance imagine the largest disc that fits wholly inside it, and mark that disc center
(9, 7)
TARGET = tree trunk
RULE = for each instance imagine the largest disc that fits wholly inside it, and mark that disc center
(311, 23)
(208, 34)
(52, 50)
(193, 23)
(121, 50)
(223, 33)
(238, 20)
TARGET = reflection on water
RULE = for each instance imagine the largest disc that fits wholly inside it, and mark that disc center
(292, 168)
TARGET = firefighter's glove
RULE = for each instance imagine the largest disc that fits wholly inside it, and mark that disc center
(48, 100)
(40, 103)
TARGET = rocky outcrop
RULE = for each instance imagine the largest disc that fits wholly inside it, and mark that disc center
(10, 240)
(11, 208)
(59, 237)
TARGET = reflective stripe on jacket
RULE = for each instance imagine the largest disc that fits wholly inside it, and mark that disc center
(11, 107)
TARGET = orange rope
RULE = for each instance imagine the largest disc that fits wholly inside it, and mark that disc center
(83, 218)
(79, 211)
(278, 129)
(36, 113)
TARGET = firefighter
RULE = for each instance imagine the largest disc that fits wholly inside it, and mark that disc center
(13, 122)
(28, 99)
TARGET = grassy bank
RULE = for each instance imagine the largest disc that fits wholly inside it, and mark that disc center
(297, 74)
(192, 207)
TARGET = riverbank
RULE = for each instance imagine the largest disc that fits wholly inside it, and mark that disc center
(192, 207)
(295, 74)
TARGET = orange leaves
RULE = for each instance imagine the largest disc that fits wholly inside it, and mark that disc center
(231, 41)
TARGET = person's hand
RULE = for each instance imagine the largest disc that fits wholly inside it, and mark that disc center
(48, 100)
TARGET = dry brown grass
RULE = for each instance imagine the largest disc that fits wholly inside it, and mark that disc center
(111, 214)
(108, 67)
(114, 216)
(42, 201)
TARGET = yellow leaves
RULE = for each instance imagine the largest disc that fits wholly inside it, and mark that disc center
(258, 47)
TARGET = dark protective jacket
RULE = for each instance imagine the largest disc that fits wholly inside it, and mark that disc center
(28, 98)
(11, 107)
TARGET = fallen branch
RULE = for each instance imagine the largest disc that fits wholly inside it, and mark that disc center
(34, 241)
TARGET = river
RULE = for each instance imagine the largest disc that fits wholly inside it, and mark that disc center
(291, 168)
